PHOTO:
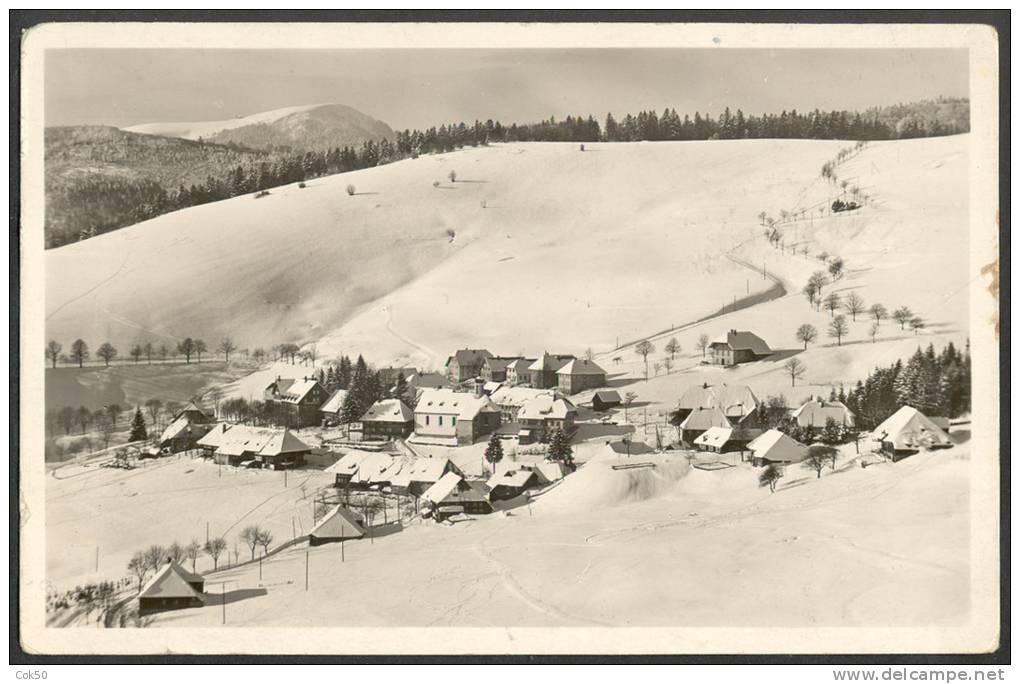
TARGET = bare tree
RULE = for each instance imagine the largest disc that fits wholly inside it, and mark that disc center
(628, 399)
(136, 353)
(820, 456)
(226, 348)
(770, 477)
(105, 426)
(916, 323)
(873, 331)
(879, 313)
(84, 417)
(673, 347)
(643, 349)
(200, 348)
(163, 352)
(213, 548)
(452, 176)
(148, 349)
(186, 347)
(265, 538)
(902, 315)
(807, 333)
(155, 557)
(139, 567)
(795, 368)
(153, 406)
(251, 536)
(114, 411)
(79, 352)
(106, 352)
(703, 344)
(832, 303)
(853, 304)
(192, 551)
(836, 268)
(656, 367)
(53, 349)
(667, 364)
(589, 354)
(838, 328)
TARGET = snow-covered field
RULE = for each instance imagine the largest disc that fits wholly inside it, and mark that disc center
(669, 545)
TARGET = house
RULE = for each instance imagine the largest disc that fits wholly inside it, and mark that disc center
(721, 440)
(189, 425)
(625, 447)
(494, 368)
(511, 483)
(449, 418)
(388, 376)
(347, 466)
(387, 419)
(430, 380)
(338, 524)
(737, 402)
(488, 388)
(774, 446)
(908, 431)
(517, 372)
(466, 364)
(543, 371)
(373, 471)
(700, 420)
(416, 477)
(738, 346)
(330, 411)
(452, 494)
(271, 447)
(603, 400)
(541, 416)
(171, 588)
(578, 375)
(511, 399)
(298, 401)
(817, 412)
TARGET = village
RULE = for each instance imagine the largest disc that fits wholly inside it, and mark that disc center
(489, 435)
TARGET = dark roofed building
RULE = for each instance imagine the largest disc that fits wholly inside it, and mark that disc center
(494, 368)
(517, 372)
(578, 375)
(738, 346)
(297, 400)
(387, 419)
(543, 371)
(466, 364)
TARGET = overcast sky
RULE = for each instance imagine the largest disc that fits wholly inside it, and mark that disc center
(420, 88)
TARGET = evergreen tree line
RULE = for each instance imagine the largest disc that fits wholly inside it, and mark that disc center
(107, 204)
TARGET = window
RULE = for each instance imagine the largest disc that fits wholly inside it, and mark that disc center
(426, 420)
(454, 419)
(440, 421)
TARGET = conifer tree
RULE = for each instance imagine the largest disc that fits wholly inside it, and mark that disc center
(559, 448)
(494, 451)
(138, 431)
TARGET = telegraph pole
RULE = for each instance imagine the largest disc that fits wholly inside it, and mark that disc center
(306, 571)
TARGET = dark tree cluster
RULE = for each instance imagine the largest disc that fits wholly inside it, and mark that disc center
(936, 384)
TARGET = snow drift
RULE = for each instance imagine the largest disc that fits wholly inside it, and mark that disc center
(605, 483)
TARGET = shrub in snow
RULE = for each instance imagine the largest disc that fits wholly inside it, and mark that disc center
(302, 184)
(261, 193)
(350, 190)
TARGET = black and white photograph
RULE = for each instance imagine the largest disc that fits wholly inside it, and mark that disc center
(509, 338)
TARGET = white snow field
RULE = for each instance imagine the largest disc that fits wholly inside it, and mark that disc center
(193, 130)
(881, 546)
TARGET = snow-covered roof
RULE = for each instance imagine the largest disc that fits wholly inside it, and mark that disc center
(546, 407)
(371, 468)
(551, 362)
(512, 478)
(734, 400)
(192, 408)
(442, 488)
(581, 367)
(498, 363)
(607, 396)
(743, 339)
(422, 470)
(520, 365)
(908, 429)
(705, 418)
(777, 446)
(240, 439)
(335, 402)
(338, 523)
(349, 462)
(517, 396)
(815, 412)
(470, 357)
(292, 391)
(171, 582)
(447, 402)
(491, 386)
(714, 437)
(388, 411)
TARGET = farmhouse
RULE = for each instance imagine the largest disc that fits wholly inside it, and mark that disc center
(908, 431)
(603, 400)
(543, 371)
(466, 364)
(449, 418)
(738, 347)
(387, 419)
(452, 494)
(271, 447)
(171, 588)
(511, 483)
(388, 376)
(737, 402)
(494, 368)
(580, 374)
(541, 416)
(189, 425)
(347, 465)
(330, 411)
(517, 372)
(776, 447)
(721, 440)
(700, 420)
(417, 476)
(338, 524)
(430, 380)
(816, 413)
(511, 399)
(299, 401)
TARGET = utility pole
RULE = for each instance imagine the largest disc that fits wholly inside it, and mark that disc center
(341, 543)
(223, 600)
(97, 559)
(206, 531)
(260, 567)
(306, 571)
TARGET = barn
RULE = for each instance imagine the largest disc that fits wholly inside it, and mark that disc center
(776, 447)
(603, 400)
(511, 483)
(908, 431)
(452, 494)
(171, 588)
(338, 524)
